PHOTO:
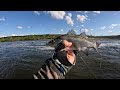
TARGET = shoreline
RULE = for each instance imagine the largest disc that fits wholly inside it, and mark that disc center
(49, 37)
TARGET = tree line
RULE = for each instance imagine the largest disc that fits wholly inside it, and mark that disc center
(28, 37)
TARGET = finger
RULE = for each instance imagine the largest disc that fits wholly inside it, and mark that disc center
(71, 53)
(35, 77)
(71, 57)
(54, 73)
(49, 73)
(67, 44)
(41, 75)
(43, 71)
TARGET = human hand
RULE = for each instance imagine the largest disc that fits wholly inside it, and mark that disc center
(64, 53)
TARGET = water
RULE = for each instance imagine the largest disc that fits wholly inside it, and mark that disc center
(21, 59)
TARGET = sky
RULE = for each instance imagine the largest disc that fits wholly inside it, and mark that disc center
(20, 23)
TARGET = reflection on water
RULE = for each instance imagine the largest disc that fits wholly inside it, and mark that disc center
(20, 59)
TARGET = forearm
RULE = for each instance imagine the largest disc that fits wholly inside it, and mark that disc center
(57, 66)
(52, 69)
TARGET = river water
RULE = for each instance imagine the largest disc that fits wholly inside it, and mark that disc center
(21, 59)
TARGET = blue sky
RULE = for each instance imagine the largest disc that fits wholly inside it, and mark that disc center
(17, 23)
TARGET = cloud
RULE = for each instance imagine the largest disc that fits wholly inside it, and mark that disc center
(69, 20)
(61, 30)
(85, 30)
(82, 18)
(14, 35)
(57, 14)
(104, 27)
(2, 19)
(2, 36)
(114, 25)
(78, 11)
(82, 25)
(98, 12)
(36, 12)
(85, 11)
(19, 27)
(70, 14)
(91, 29)
(109, 30)
(44, 11)
(110, 27)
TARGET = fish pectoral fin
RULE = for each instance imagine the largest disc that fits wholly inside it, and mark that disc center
(85, 50)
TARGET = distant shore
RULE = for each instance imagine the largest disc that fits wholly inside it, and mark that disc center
(50, 36)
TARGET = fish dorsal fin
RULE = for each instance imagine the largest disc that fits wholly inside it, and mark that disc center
(71, 32)
(83, 34)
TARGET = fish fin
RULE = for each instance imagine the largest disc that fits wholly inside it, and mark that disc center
(83, 34)
(98, 44)
(71, 32)
(85, 50)
(96, 47)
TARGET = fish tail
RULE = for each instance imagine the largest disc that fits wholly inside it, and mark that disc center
(98, 44)
(96, 47)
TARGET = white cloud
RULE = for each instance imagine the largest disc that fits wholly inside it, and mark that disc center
(82, 18)
(69, 20)
(82, 25)
(2, 36)
(61, 30)
(114, 25)
(44, 11)
(2, 19)
(85, 30)
(14, 35)
(104, 27)
(98, 12)
(36, 12)
(85, 11)
(19, 27)
(109, 30)
(70, 14)
(78, 11)
(110, 27)
(91, 29)
(57, 14)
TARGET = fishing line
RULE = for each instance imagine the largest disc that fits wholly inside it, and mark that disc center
(87, 66)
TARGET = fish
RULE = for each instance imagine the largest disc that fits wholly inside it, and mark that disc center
(79, 42)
